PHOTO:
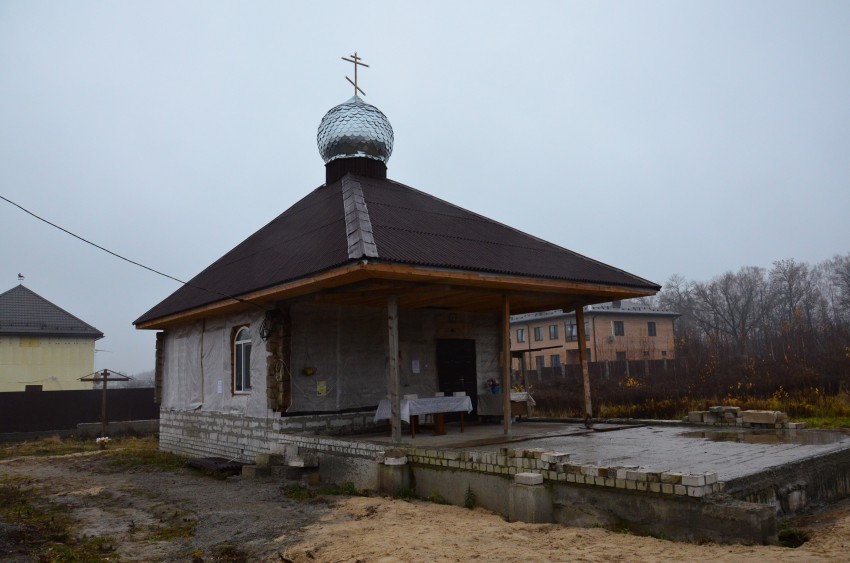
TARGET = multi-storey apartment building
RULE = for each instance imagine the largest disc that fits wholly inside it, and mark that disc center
(614, 332)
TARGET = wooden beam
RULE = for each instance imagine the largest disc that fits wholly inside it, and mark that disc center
(506, 363)
(582, 358)
(393, 384)
(363, 271)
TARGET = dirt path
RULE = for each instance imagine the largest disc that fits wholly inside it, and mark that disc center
(184, 516)
(168, 516)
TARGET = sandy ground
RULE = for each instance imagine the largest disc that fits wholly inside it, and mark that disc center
(254, 516)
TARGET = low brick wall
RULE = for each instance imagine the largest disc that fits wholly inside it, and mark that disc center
(205, 433)
(555, 466)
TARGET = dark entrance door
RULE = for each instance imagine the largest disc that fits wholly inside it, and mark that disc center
(456, 370)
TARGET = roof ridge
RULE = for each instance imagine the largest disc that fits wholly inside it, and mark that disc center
(358, 224)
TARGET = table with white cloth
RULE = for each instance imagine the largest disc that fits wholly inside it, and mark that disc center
(437, 406)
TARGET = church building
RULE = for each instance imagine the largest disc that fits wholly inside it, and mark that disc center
(363, 290)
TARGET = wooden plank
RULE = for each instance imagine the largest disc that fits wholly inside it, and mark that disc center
(582, 358)
(506, 365)
(393, 384)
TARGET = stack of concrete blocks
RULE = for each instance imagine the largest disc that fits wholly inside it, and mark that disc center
(733, 416)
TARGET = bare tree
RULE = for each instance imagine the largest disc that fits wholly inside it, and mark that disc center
(732, 308)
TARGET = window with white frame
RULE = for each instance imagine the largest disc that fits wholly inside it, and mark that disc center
(242, 361)
(619, 329)
(538, 333)
(553, 332)
(520, 335)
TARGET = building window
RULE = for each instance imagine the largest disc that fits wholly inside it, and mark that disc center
(540, 361)
(646, 354)
(556, 360)
(618, 328)
(621, 356)
(650, 328)
(520, 335)
(664, 353)
(572, 331)
(553, 332)
(538, 333)
(242, 361)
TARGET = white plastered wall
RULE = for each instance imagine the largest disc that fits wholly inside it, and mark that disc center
(197, 370)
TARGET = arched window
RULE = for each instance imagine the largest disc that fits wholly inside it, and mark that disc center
(242, 361)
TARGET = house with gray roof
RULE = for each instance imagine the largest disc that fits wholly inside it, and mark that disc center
(365, 290)
(42, 346)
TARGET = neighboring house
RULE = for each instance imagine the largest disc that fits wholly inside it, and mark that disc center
(616, 331)
(364, 289)
(41, 345)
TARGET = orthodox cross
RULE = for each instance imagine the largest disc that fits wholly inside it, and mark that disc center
(356, 60)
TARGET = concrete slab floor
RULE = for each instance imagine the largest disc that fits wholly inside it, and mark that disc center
(730, 452)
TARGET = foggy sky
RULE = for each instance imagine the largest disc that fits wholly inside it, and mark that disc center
(658, 137)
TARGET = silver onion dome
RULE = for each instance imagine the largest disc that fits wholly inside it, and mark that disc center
(355, 129)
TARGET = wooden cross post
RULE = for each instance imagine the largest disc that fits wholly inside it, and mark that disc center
(104, 423)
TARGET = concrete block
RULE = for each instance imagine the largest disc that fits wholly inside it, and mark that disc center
(674, 478)
(642, 486)
(620, 483)
(710, 418)
(717, 409)
(610, 482)
(760, 417)
(696, 492)
(572, 468)
(696, 416)
(631, 485)
(530, 504)
(655, 487)
(693, 480)
(589, 470)
(680, 489)
(667, 488)
(710, 478)
(571, 477)
(599, 481)
(555, 457)
(528, 479)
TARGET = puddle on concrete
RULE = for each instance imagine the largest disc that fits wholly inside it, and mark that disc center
(768, 436)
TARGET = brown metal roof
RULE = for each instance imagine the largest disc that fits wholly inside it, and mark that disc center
(335, 225)
(23, 312)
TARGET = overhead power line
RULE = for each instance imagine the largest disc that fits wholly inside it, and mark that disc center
(115, 254)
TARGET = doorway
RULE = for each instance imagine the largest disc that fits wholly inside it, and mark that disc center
(456, 370)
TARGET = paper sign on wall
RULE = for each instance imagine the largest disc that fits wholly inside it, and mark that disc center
(321, 388)
(219, 387)
(414, 366)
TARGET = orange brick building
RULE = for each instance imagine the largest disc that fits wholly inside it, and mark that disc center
(617, 331)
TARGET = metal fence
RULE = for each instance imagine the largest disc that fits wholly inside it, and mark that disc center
(37, 411)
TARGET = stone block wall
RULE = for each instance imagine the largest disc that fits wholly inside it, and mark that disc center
(555, 467)
(206, 434)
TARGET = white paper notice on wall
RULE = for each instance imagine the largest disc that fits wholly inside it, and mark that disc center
(219, 387)
(414, 366)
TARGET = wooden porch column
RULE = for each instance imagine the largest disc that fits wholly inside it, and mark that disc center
(582, 358)
(393, 384)
(506, 364)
